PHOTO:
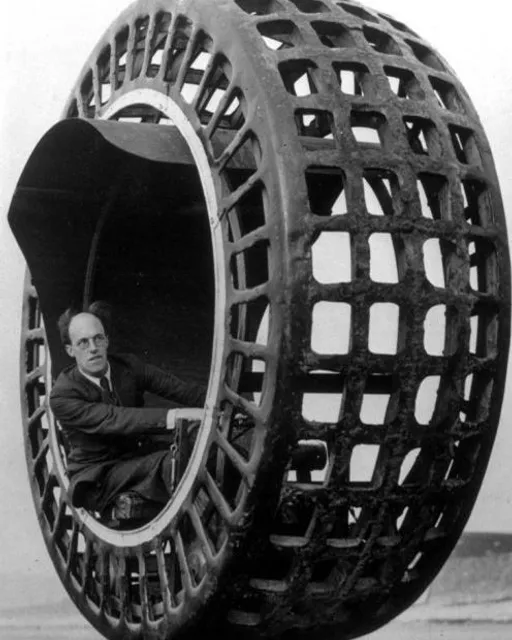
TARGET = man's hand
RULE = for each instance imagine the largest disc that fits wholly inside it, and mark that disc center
(183, 414)
(171, 419)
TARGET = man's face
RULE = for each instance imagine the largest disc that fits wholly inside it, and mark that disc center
(88, 344)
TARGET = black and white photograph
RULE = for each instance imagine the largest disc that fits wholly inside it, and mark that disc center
(255, 300)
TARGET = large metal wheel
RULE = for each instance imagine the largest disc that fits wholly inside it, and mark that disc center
(362, 297)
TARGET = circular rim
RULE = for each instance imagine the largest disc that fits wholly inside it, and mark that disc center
(167, 516)
(68, 556)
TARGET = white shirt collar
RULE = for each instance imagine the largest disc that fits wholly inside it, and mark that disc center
(96, 380)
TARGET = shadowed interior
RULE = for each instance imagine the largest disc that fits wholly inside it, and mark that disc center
(96, 222)
(154, 265)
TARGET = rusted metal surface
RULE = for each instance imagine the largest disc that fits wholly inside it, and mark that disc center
(352, 131)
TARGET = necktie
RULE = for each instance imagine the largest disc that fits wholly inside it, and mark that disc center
(106, 394)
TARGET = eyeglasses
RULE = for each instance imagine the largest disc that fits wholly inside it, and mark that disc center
(99, 340)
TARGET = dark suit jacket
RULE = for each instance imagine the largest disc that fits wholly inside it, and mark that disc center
(99, 434)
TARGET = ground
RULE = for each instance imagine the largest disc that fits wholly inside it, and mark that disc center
(48, 627)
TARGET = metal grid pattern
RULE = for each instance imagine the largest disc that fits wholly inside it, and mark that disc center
(386, 128)
(350, 136)
(384, 123)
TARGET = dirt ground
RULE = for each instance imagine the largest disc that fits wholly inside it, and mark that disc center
(76, 629)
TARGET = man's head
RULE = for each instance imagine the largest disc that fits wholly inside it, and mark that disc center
(85, 339)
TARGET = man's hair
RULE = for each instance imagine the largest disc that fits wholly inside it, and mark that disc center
(100, 309)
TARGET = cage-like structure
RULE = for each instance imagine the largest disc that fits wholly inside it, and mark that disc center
(295, 200)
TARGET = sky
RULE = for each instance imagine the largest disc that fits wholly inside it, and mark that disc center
(45, 44)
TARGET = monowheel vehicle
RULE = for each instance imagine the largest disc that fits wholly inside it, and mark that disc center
(293, 202)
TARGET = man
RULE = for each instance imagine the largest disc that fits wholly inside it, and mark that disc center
(99, 404)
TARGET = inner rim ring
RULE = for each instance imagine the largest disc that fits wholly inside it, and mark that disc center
(147, 532)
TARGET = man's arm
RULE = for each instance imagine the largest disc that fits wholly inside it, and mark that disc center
(104, 419)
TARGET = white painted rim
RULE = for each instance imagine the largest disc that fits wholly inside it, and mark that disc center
(170, 108)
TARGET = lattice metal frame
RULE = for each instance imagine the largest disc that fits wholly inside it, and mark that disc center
(348, 126)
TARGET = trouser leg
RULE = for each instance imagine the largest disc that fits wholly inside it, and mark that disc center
(150, 476)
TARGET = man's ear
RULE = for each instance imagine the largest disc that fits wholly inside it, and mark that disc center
(69, 350)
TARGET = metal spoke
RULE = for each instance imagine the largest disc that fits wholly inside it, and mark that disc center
(218, 498)
(165, 587)
(34, 375)
(238, 462)
(184, 568)
(41, 454)
(201, 533)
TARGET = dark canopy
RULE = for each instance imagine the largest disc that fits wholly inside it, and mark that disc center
(115, 211)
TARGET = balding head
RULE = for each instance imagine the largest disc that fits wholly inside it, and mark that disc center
(88, 343)
(84, 322)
